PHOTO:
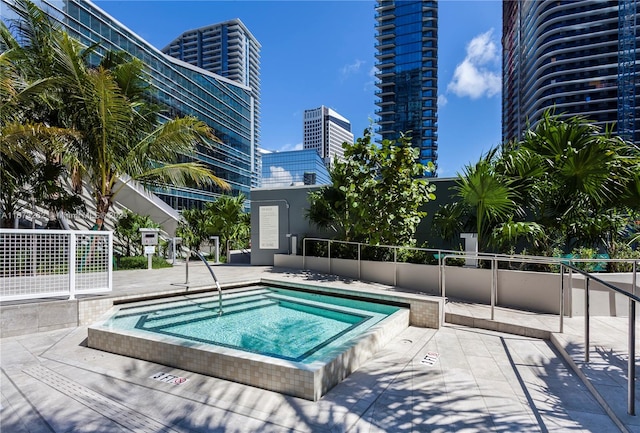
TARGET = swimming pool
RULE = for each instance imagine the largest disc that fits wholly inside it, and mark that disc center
(297, 342)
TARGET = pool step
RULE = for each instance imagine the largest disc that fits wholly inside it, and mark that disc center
(202, 311)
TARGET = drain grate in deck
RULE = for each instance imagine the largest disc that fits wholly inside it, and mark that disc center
(117, 412)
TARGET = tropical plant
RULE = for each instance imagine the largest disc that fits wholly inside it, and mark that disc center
(487, 194)
(193, 228)
(32, 140)
(376, 193)
(225, 217)
(119, 136)
(566, 184)
(127, 230)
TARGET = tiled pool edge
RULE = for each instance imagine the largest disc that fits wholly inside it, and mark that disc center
(426, 311)
(308, 382)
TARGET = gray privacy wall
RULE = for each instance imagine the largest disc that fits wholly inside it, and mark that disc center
(276, 215)
(283, 213)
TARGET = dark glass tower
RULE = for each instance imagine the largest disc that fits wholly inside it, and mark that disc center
(579, 56)
(407, 77)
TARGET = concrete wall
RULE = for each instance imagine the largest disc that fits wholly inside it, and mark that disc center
(292, 205)
(530, 291)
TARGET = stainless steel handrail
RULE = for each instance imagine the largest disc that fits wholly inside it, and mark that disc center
(563, 262)
(631, 364)
(215, 279)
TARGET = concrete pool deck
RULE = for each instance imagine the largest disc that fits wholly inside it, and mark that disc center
(456, 378)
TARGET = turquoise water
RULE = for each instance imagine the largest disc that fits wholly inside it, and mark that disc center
(281, 323)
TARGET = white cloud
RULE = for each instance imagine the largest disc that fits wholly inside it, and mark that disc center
(289, 146)
(442, 101)
(479, 73)
(351, 69)
(280, 177)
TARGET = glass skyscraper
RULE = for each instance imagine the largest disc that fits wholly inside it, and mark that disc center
(227, 49)
(407, 77)
(293, 168)
(181, 89)
(578, 57)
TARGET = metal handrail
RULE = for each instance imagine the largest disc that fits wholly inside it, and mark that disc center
(631, 362)
(215, 279)
(563, 262)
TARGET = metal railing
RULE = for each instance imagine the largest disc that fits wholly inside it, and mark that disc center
(563, 263)
(213, 275)
(631, 362)
(52, 263)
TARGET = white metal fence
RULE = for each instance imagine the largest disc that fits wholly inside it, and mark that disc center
(48, 263)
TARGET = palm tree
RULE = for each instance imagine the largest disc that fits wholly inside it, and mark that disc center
(30, 143)
(119, 139)
(487, 194)
(587, 171)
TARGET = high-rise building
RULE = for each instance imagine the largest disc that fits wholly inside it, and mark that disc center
(407, 77)
(293, 168)
(227, 106)
(577, 57)
(324, 130)
(227, 49)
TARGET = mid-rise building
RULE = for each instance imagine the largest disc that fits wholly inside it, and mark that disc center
(324, 130)
(293, 168)
(578, 57)
(227, 106)
(407, 77)
(227, 49)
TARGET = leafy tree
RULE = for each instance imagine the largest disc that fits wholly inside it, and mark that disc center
(567, 183)
(119, 137)
(376, 193)
(226, 218)
(31, 136)
(127, 230)
(193, 228)
(487, 195)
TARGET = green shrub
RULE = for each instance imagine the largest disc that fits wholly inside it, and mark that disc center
(140, 262)
(623, 251)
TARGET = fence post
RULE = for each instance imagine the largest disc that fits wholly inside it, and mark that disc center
(586, 320)
(561, 298)
(493, 288)
(359, 262)
(304, 252)
(329, 254)
(110, 264)
(631, 362)
(395, 266)
(72, 265)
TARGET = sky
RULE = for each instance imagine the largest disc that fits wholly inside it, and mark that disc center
(322, 53)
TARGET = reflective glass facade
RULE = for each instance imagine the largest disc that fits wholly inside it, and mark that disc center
(577, 56)
(182, 89)
(227, 49)
(292, 168)
(407, 77)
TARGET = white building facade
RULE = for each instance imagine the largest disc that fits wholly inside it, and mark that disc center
(324, 131)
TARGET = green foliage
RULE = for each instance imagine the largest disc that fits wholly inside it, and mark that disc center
(224, 217)
(376, 193)
(623, 251)
(141, 262)
(127, 231)
(193, 228)
(567, 184)
(99, 123)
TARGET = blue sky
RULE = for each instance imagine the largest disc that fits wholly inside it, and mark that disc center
(321, 53)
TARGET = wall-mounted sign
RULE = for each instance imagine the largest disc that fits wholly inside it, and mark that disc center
(269, 235)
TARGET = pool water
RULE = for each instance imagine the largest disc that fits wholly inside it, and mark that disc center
(285, 324)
